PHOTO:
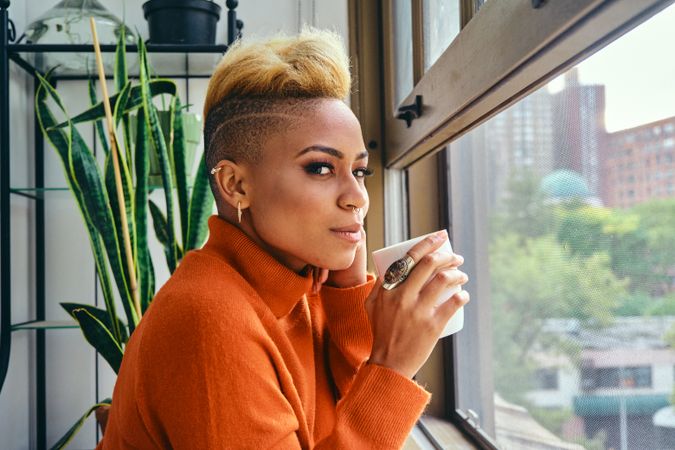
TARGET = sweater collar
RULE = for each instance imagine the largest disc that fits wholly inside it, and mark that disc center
(278, 286)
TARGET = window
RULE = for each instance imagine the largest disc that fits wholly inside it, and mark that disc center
(441, 26)
(546, 378)
(517, 163)
(619, 377)
(563, 281)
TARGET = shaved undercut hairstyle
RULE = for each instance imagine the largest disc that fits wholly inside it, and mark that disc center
(260, 88)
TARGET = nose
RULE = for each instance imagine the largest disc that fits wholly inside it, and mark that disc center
(354, 195)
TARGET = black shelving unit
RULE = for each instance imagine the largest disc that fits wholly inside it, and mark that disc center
(179, 61)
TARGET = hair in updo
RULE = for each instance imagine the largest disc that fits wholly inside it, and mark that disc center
(259, 87)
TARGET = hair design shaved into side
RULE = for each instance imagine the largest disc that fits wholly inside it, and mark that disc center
(258, 88)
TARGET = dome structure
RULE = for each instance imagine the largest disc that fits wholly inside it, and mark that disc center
(565, 184)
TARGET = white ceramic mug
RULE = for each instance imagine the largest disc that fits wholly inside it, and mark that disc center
(384, 257)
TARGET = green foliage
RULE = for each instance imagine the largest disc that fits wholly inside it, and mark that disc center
(95, 192)
(524, 211)
(63, 442)
(551, 419)
(571, 260)
(640, 241)
(536, 279)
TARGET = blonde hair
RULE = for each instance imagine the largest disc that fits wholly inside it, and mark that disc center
(312, 64)
(259, 88)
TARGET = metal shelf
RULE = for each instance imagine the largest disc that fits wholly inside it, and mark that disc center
(168, 61)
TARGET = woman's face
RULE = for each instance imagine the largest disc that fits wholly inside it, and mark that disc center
(303, 192)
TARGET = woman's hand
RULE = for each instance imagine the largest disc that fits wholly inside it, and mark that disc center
(355, 274)
(405, 321)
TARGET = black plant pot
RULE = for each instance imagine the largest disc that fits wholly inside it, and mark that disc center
(182, 21)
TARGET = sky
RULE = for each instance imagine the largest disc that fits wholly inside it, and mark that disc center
(638, 71)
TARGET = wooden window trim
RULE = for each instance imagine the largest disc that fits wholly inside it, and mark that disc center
(557, 36)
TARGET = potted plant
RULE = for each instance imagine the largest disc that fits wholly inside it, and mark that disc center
(192, 132)
(182, 21)
(94, 189)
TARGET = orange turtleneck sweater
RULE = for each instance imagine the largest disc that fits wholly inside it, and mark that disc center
(234, 353)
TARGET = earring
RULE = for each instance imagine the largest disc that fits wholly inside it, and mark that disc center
(215, 170)
(239, 211)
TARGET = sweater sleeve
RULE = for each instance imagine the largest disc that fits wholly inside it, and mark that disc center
(378, 412)
(349, 334)
(378, 407)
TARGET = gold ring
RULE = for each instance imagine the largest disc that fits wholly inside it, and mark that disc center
(397, 272)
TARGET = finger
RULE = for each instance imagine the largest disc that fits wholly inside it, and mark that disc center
(458, 260)
(446, 310)
(444, 280)
(427, 245)
(424, 254)
(424, 270)
(323, 275)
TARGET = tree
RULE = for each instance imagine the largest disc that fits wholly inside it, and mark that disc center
(535, 279)
(640, 242)
(524, 210)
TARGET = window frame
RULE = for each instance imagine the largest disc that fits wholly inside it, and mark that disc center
(558, 35)
(543, 42)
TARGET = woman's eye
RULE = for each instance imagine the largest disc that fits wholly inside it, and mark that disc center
(319, 169)
(363, 172)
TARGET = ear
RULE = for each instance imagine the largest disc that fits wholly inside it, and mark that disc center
(231, 179)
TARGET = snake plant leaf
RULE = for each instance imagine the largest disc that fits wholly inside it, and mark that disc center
(61, 142)
(100, 337)
(85, 174)
(120, 75)
(100, 314)
(157, 86)
(179, 163)
(99, 123)
(157, 140)
(66, 438)
(146, 272)
(120, 104)
(88, 177)
(128, 193)
(145, 301)
(158, 223)
(123, 117)
(201, 207)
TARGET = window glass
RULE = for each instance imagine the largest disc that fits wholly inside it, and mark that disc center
(441, 26)
(403, 50)
(564, 209)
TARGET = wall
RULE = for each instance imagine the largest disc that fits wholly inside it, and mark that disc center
(73, 381)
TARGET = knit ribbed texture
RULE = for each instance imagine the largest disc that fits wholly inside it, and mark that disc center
(232, 353)
(392, 395)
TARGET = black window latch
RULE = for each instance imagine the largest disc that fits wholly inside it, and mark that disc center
(410, 112)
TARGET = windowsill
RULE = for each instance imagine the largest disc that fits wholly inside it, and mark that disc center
(444, 432)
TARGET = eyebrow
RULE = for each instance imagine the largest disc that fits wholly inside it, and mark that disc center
(331, 151)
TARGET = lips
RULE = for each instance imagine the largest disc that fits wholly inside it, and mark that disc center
(349, 228)
(350, 233)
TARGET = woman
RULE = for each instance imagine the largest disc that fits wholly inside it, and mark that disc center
(273, 335)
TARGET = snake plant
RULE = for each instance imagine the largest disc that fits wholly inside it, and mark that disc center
(94, 190)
